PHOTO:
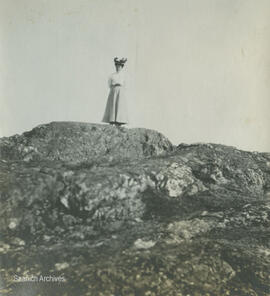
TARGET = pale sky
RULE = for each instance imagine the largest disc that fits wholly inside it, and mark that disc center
(198, 70)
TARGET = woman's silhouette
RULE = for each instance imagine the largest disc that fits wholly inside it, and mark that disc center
(116, 107)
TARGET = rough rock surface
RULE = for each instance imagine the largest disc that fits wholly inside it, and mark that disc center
(144, 218)
(79, 142)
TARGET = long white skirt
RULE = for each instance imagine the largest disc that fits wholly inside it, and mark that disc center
(116, 107)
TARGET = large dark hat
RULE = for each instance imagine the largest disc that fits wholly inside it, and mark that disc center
(119, 62)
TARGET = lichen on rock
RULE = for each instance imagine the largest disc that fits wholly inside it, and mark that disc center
(124, 212)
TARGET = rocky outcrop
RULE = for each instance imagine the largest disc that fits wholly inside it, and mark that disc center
(145, 218)
(80, 142)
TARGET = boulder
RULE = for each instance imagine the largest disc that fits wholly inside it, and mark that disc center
(83, 142)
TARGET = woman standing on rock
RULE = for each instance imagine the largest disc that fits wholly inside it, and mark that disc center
(116, 108)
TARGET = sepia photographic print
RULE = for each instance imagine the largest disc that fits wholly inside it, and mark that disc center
(134, 148)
